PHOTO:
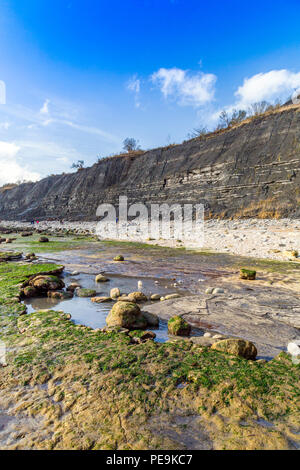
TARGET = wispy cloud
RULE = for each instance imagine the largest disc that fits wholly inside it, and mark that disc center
(45, 107)
(134, 86)
(185, 87)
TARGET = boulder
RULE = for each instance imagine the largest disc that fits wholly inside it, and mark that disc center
(137, 297)
(172, 296)
(177, 326)
(73, 286)
(43, 240)
(26, 234)
(155, 297)
(115, 293)
(45, 283)
(126, 315)
(236, 347)
(100, 300)
(85, 292)
(202, 341)
(152, 319)
(101, 278)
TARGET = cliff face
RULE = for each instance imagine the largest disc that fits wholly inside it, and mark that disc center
(250, 170)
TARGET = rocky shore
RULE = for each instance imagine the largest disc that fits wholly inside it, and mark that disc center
(258, 238)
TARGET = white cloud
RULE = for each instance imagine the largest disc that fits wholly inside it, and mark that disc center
(267, 86)
(134, 85)
(186, 88)
(45, 107)
(5, 125)
(11, 170)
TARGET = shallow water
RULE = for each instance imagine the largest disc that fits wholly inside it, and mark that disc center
(85, 312)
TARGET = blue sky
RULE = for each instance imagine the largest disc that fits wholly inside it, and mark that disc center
(81, 76)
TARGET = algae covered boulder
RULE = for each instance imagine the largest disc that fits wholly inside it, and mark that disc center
(177, 326)
(61, 295)
(45, 283)
(86, 292)
(137, 297)
(126, 315)
(247, 274)
(236, 347)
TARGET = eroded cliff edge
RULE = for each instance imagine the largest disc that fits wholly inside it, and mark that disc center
(250, 170)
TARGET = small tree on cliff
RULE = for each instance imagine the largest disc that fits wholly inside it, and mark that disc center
(79, 165)
(130, 144)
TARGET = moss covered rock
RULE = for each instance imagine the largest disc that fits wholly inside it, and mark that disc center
(61, 295)
(247, 274)
(119, 258)
(127, 315)
(46, 283)
(86, 292)
(236, 347)
(178, 326)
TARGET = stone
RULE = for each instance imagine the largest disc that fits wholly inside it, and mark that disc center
(137, 297)
(172, 296)
(60, 295)
(26, 234)
(73, 286)
(115, 293)
(126, 315)
(100, 300)
(75, 273)
(43, 239)
(218, 290)
(152, 319)
(207, 335)
(101, 278)
(209, 290)
(29, 255)
(236, 347)
(177, 326)
(142, 337)
(247, 274)
(294, 348)
(155, 297)
(85, 292)
(119, 258)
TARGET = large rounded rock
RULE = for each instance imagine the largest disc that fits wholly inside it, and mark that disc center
(236, 347)
(61, 295)
(137, 297)
(177, 326)
(46, 283)
(127, 315)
